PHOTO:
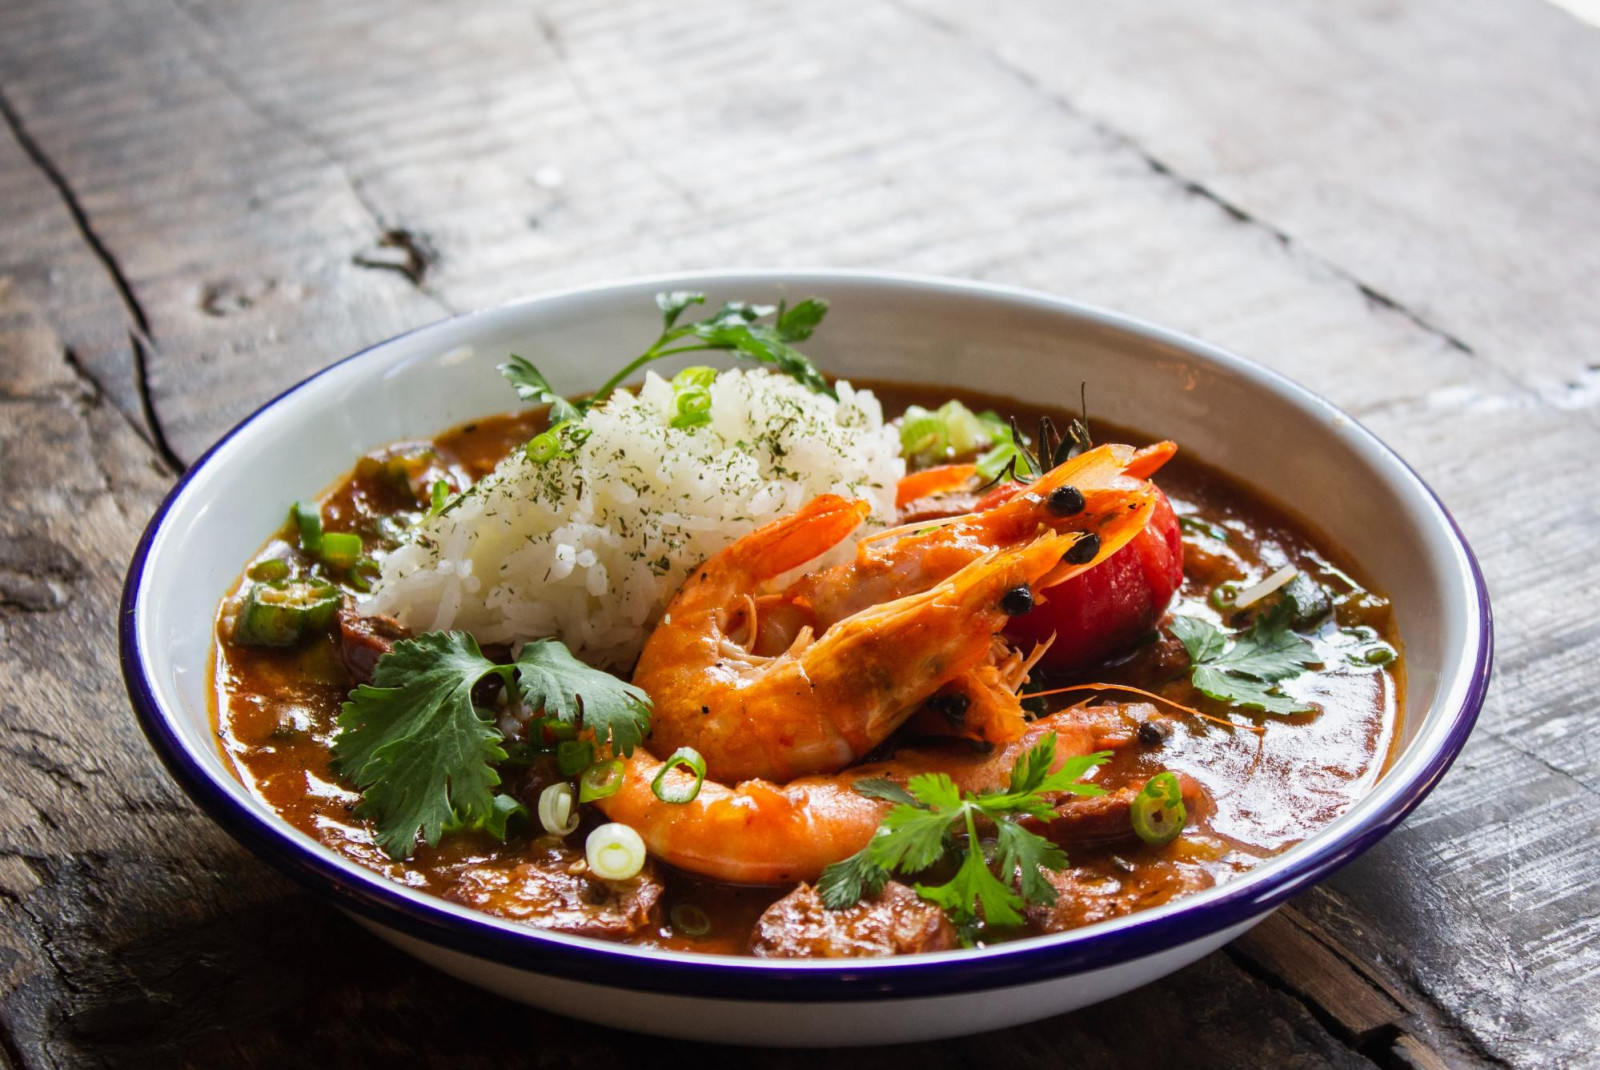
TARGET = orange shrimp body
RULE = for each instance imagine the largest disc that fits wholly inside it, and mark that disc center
(758, 832)
(829, 699)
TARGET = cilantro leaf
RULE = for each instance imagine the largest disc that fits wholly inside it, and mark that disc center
(796, 324)
(915, 840)
(1243, 692)
(844, 884)
(924, 828)
(1200, 639)
(1270, 650)
(673, 304)
(551, 679)
(883, 788)
(975, 891)
(414, 744)
(760, 343)
(1247, 671)
(1026, 854)
(531, 386)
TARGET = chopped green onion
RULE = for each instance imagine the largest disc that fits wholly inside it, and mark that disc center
(573, 756)
(1381, 654)
(558, 810)
(1158, 813)
(615, 852)
(307, 521)
(440, 496)
(340, 549)
(543, 447)
(601, 780)
(923, 434)
(1223, 595)
(691, 407)
(688, 758)
(576, 434)
(364, 573)
(554, 729)
(690, 920)
(269, 569)
(282, 613)
(965, 429)
(695, 375)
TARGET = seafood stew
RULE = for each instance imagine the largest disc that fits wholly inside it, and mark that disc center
(969, 684)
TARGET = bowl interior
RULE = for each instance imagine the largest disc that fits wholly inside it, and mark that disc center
(1275, 436)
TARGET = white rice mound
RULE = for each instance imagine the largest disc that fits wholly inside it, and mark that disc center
(589, 547)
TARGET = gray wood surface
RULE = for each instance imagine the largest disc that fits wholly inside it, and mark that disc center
(1397, 203)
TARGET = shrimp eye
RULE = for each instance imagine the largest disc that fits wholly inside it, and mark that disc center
(1083, 551)
(1019, 600)
(1065, 500)
(951, 705)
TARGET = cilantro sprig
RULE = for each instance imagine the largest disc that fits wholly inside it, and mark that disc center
(424, 755)
(736, 327)
(1247, 669)
(933, 821)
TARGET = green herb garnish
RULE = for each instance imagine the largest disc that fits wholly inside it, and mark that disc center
(926, 826)
(424, 756)
(737, 327)
(1247, 669)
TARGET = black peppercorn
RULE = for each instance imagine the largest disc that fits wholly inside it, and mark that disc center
(1154, 733)
(1017, 601)
(1083, 551)
(951, 705)
(1065, 501)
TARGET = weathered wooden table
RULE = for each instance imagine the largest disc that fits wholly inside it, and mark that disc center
(1396, 202)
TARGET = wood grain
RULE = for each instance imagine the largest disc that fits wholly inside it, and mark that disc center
(1395, 204)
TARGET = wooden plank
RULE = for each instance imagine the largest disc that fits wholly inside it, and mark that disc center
(276, 185)
(1441, 153)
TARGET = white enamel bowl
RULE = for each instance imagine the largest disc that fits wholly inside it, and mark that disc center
(1273, 434)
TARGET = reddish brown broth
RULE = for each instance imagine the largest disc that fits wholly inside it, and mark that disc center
(277, 709)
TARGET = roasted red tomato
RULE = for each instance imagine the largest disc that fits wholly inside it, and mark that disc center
(1099, 613)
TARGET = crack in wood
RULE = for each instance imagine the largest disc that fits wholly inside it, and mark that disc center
(140, 330)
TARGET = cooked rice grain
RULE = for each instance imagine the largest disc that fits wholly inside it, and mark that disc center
(589, 546)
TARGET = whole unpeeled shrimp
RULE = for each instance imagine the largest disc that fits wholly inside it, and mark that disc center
(828, 699)
(1113, 504)
(758, 832)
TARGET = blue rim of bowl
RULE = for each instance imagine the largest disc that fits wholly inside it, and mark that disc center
(1008, 965)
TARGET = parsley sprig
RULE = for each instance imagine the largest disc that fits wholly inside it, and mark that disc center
(934, 821)
(1247, 669)
(424, 756)
(737, 327)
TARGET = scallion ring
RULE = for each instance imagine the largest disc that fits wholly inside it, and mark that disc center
(688, 758)
(615, 852)
(1224, 595)
(269, 569)
(694, 375)
(1158, 813)
(601, 780)
(573, 756)
(558, 809)
(543, 447)
(691, 407)
(690, 920)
